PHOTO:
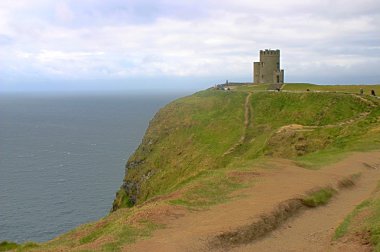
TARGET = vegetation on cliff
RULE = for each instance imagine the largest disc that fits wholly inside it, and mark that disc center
(200, 149)
(215, 129)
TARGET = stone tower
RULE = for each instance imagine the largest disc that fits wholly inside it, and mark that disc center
(268, 69)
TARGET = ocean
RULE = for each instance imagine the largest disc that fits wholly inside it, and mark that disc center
(62, 158)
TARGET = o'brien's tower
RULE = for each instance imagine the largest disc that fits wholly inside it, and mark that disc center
(268, 69)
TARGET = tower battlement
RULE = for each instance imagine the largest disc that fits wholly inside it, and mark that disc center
(270, 52)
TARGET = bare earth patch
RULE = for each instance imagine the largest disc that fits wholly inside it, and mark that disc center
(158, 213)
(95, 245)
(243, 176)
(312, 230)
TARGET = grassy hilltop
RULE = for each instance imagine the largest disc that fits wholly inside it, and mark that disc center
(204, 132)
(198, 150)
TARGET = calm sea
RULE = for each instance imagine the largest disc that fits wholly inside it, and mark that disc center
(62, 158)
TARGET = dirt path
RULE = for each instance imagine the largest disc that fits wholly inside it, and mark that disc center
(311, 230)
(247, 116)
(299, 127)
(365, 100)
(358, 117)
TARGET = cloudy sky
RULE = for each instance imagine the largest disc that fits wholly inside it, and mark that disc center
(129, 44)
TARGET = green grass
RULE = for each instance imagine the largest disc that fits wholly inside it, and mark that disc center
(183, 148)
(250, 87)
(184, 151)
(117, 231)
(319, 146)
(212, 188)
(343, 227)
(373, 224)
(123, 234)
(320, 197)
(187, 137)
(190, 135)
(95, 234)
(130, 234)
(314, 109)
(369, 223)
(350, 181)
(332, 88)
(321, 158)
(7, 245)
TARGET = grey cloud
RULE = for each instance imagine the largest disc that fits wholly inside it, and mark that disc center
(319, 40)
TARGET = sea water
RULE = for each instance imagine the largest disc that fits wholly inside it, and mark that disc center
(62, 158)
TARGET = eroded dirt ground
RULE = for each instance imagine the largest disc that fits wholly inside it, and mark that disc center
(311, 230)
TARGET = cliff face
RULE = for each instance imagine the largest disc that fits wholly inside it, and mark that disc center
(213, 129)
(184, 138)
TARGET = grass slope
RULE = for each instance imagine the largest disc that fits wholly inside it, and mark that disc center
(192, 135)
(332, 88)
(199, 149)
(185, 138)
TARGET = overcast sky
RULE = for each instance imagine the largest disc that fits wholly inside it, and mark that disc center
(128, 44)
